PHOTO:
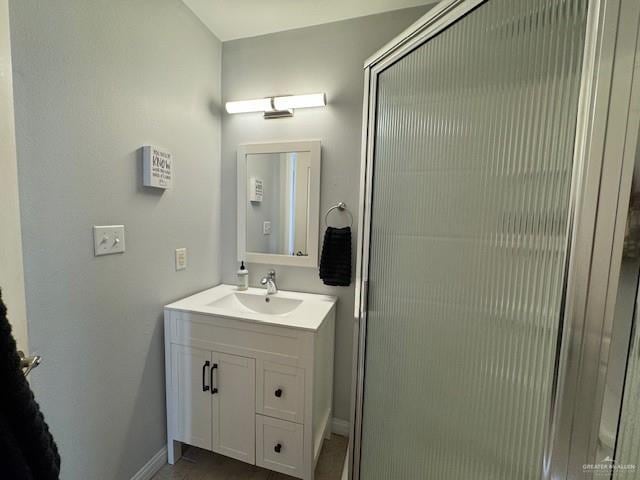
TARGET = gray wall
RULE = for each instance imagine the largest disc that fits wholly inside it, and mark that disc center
(94, 80)
(325, 58)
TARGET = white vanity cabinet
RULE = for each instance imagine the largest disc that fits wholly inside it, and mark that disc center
(252, 386)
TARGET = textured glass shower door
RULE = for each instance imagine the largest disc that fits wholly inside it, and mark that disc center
(469, 230)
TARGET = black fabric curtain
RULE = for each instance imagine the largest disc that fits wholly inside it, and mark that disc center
(27, 448)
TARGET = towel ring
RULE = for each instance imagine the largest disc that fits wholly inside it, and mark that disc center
(343, 208)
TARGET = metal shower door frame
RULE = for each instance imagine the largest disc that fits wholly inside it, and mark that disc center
(580, 315)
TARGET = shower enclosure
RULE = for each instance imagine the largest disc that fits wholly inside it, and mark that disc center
(498, 151)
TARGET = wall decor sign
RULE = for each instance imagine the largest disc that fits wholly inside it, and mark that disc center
(256, 189)
(157, 167)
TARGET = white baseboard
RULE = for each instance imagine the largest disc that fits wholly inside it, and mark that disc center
(150, 468)
(340, 427)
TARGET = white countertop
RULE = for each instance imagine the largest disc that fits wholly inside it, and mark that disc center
(309, 315)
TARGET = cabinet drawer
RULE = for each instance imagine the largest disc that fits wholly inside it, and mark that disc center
(279, 445)
(280, 391)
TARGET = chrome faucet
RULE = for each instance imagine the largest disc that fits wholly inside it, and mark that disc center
(270, 282)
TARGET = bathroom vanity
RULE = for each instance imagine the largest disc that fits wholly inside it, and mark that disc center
(250, 376)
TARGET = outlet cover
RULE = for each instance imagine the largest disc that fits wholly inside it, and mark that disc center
(181, 259)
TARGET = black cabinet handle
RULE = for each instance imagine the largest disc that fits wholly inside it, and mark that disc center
(204, 369)
(214, 390)
(278, 393)
(277, 448)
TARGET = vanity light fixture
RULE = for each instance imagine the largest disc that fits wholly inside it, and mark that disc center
(277, 107)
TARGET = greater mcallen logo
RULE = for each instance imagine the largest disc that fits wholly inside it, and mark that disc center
(607, 466)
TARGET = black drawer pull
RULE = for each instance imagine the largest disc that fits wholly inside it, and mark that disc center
(214, 390)
(278, 393)
(277, 448)
(204, 370)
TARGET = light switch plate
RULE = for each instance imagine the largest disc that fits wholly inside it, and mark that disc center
(181, 259)
(108, 239)
(266, 228)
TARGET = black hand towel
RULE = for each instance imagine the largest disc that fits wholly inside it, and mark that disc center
(335, 264)
(31, 452)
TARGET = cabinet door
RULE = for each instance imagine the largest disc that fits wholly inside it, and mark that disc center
(190, 375)
(233, 381)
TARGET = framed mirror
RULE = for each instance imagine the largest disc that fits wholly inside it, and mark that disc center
(279, 203)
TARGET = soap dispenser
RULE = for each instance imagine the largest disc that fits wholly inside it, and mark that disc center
(243, 277)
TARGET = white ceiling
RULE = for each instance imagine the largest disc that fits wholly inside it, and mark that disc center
(231, 19)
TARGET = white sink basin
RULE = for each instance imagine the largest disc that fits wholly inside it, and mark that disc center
(257, 303)
(305, 311)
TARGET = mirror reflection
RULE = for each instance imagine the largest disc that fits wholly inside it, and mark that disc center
(278, 203)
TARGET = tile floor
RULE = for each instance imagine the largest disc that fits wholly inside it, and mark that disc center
(198, 464)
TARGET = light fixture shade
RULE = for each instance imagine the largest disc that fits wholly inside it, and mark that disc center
(300, 101)
(245, 106)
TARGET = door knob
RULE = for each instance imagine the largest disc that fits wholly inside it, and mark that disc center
(277, 448)
(28, 363)
(278, 393)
